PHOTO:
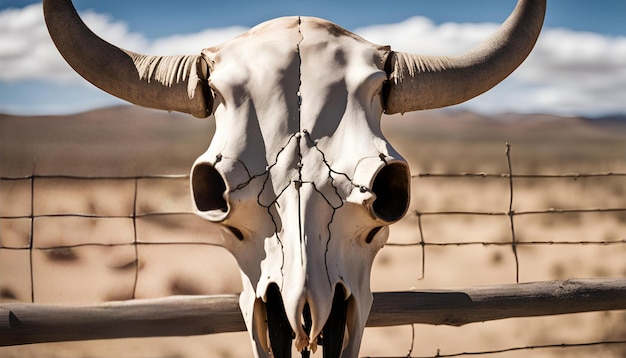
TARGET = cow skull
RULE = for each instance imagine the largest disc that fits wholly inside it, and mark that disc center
(299, 174)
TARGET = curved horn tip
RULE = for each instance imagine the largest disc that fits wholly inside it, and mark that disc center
(172, 83)
(419, 82)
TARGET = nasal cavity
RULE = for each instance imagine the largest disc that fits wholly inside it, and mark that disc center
(208, 188)
(392, 188)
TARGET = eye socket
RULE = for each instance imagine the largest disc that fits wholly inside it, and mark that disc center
(208, 188)
(392, 189)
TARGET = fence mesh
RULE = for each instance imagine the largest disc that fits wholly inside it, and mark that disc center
(52, 221)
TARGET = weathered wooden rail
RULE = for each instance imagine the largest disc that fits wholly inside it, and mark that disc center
(24, 323)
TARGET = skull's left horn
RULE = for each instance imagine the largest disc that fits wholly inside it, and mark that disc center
(172, 83)
(419, 82)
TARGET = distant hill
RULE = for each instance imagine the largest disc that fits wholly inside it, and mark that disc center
(130, 140)
(465, 125)
(121, 140)
(614, 121)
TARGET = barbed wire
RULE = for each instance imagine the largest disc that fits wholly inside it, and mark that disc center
(133, 216)
(514, 242)
(574, 176)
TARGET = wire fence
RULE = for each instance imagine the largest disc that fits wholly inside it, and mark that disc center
(28, 215)
(561, 346)
(134, 215)
(510, 214)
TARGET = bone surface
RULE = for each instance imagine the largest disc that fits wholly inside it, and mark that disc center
(299, 174)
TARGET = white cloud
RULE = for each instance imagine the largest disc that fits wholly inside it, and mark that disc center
(193, 43)
(568, 72)
(27, 52)
(421, 35)
(577, 72)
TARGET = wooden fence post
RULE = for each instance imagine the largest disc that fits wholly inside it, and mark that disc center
(25, 323)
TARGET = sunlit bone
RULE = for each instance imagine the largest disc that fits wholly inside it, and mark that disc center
(298, 173)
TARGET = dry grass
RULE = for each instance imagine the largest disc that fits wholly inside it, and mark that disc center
(128, 141)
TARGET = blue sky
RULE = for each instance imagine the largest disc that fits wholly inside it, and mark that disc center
(579, 66)
(147, 17)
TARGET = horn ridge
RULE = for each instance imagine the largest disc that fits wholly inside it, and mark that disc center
(418, 82)
(172, 83)
(171, 70)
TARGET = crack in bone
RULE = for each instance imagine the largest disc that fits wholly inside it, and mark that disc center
(298, 184)
(299, 93)
(240, 186)
(330, 169)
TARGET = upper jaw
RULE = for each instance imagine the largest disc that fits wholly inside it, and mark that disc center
(339, 332)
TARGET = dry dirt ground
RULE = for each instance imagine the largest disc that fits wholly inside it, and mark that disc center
(128, 141)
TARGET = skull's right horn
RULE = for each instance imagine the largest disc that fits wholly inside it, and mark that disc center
(419, 82)
(172, 83)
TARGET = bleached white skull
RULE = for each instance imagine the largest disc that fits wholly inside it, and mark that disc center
(298, 173)
(301, 176)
